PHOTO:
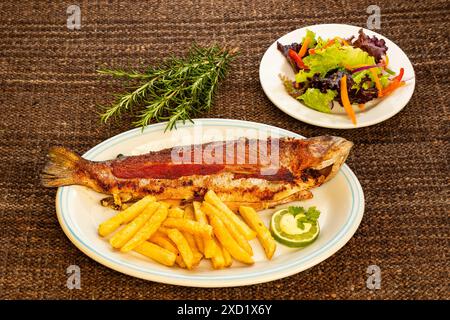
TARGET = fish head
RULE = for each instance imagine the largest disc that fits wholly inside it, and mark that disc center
(329, 154)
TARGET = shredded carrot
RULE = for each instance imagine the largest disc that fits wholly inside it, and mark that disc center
(356, 66)
(329, 43)
(304, 47)
(345, 43)
(346, 101)
(362, 106)
(377, 82)
(391, 87)
(348, 67)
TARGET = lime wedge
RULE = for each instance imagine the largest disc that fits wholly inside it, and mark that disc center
(288, 230)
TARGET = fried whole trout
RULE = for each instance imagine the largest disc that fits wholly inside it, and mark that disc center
(259, 173)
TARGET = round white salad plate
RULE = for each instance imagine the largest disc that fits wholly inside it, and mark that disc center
(273, 64)
(341, 202)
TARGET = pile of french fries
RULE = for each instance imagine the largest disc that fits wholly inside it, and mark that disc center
(172, 236)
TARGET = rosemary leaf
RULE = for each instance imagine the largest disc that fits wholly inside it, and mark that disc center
(177, 90)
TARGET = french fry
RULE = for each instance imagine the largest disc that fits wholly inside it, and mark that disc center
(254, 221)
(156, 253)
(217, 259)
(189, 214)
(212, 247)
(126, 233)
(227, 257)
(228, 241)
(176, 213)
(191, 241)
(179, 261)
(216, 252)
(163, 241)
(212, 198)
(189, 211)
(231, 227)
(124, 216)
(163, 230)
(200, 244)
(149, 228)
(190, 226)
(197, 255)
(208, 244)
(159, 233)
(198, 213)
(197, 258)
(209, 248)
(183, 246)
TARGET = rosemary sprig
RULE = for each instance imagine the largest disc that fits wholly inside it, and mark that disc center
(178, 89)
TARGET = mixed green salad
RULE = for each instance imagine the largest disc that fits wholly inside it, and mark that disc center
(348, 71)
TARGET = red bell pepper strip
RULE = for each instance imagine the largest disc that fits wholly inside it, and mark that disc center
(400, 75)
(396, 83)
(298, 61)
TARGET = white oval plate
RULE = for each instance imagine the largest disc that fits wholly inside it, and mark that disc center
(341, 202)
(273, 63)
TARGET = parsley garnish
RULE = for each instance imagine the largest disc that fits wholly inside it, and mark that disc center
(308, 216)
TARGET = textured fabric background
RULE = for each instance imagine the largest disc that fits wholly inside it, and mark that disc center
(49, 91)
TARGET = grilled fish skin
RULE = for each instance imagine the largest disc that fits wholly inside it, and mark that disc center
(260, 172)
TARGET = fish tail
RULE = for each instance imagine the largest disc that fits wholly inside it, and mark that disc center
(61, 168)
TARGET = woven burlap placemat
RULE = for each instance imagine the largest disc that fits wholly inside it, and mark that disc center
(49, 91)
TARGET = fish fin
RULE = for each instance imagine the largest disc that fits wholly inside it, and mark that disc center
(61, 168)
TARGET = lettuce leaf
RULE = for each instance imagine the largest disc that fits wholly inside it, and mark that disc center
(310, 34)
(360, 76)
(321, 43)
(304, 75)
(367, 74)
(333, 57)
(317, 100)
(384, 79)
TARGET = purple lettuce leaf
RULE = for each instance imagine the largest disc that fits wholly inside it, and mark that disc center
(332, 81)
(372, 45)
(284, 49)
(362, 95)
